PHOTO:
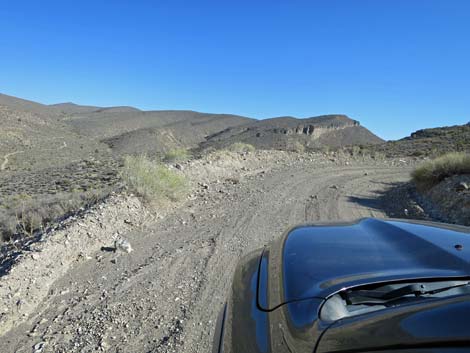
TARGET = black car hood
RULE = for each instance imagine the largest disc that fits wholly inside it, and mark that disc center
(435, 324)
(315, 261)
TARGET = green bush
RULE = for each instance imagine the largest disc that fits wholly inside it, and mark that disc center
(176, 155)
(432, 172)
(152, 181)
(241, 147)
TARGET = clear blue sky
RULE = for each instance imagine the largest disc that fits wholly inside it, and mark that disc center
(394, 65)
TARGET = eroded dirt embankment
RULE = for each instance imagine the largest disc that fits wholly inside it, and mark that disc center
(449, 200)
(164, 296)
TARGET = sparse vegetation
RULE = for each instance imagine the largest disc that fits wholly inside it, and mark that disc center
(378, 156)
(356, 150)
(23, 214)
(154, 182)
(297, 147)
(434, 171)
(429, 142)
(362, 152)
(325, 149)
(240, 147)
(176, 155)
(220, 154)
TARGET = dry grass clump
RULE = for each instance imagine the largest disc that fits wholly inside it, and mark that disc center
(297, 147)
(22, 215)
(363, 152)
(434, 171)
(377, 155)
(240, 147)
(218, 155)
(154, 182)
(176, 155)
(356, 151)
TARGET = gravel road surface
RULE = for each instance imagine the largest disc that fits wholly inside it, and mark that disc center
(165, 295)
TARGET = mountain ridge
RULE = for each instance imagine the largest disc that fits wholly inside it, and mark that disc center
(128, 130)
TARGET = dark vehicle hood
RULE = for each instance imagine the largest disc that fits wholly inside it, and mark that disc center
(434, 325)
(315, 261)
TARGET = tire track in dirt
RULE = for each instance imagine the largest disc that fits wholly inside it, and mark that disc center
(166, 295)
(273, 218)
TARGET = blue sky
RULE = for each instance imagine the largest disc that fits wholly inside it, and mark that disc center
(394, 65)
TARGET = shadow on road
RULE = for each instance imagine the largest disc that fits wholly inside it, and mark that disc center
(398, 200)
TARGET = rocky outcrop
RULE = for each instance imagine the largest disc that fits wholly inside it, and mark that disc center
(284, 132)
(311, 129)
(429, 142)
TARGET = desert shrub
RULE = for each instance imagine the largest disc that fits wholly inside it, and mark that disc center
(355, 150)
(378, 155)
(297, 147)
(209, 150)
(217, 155)
(23, 214)
(365, 151)
(434, 171)
(152, 181)
(241, 147)
(418, 153)
(325, 149)
(7, 224)
(176, 155)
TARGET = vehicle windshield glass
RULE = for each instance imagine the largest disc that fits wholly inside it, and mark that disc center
(355, 301)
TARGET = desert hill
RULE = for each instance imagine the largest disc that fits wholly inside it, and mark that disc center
(134, 131)
(36, 136)
(287, 133)
(26, 106)
(430, 142)
(70, 108)
(128, 130)
(185, 133)
(56, 110)
(35, 140)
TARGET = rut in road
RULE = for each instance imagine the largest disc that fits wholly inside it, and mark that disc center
(166, 295)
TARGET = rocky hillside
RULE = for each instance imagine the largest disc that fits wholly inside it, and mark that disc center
(127, 130)
(25, 106)
(288, 133)
(449, 200)
(29, 141)
(151, 132)
(46, 169)
(430, 142)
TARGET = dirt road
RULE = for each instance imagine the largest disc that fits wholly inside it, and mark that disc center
(165, 295)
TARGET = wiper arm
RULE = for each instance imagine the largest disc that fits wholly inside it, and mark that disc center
(386, 294)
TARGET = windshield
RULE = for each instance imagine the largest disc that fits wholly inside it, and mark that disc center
(364, 299)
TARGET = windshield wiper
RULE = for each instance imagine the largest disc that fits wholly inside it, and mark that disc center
(388, 293)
